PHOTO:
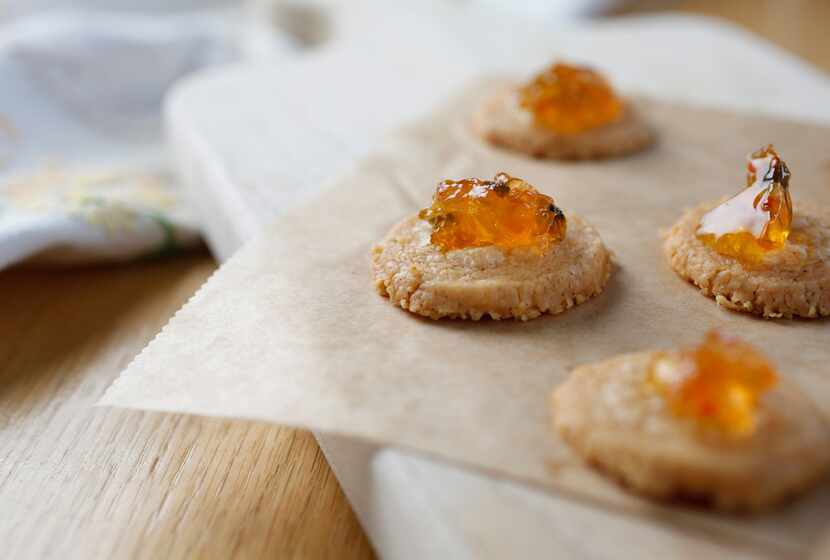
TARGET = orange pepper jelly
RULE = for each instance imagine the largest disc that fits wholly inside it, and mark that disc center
(506, 212)
(717, 384)
(756, 220)
(570, 99)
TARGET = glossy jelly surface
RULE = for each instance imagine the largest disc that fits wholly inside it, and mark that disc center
(506, 212)
(570, 99)
(718, 384)
(758, 219)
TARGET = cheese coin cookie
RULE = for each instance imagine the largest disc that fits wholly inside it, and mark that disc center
(565, 112)
(752, 253)
(715, 423)
(497, 248)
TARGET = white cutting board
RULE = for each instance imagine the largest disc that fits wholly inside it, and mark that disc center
(251, 139)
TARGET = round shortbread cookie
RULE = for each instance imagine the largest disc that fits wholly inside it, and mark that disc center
(791, 282)
(610, 416)
(471, 283)
(502, 122)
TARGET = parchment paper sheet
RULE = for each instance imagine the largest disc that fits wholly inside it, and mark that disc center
(292, 331)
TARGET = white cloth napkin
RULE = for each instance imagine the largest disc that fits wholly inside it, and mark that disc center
(79, 215)
(82, 167)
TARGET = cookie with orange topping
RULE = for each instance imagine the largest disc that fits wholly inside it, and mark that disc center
(752, 252)
(496, 248)
(715, 423)
(565, 112)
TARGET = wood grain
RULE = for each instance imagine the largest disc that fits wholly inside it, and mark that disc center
(799, 26)
(78, 481)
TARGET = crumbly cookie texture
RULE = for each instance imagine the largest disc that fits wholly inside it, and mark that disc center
(790, 282)
(472, 283)
(610, 416)
(502, 122)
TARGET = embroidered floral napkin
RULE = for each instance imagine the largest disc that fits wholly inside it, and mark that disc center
(82, 162)
(70, 216)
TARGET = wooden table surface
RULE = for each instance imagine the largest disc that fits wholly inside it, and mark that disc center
(79, 481)
(799, 26)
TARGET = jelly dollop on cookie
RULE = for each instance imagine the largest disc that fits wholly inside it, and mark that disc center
(570, 99)
(506, 212)
(756, 220)
(717, 384)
